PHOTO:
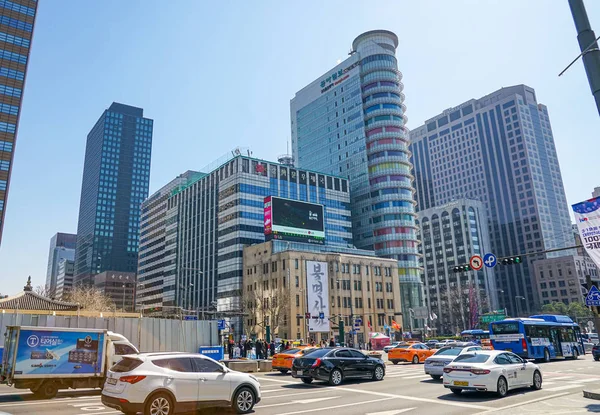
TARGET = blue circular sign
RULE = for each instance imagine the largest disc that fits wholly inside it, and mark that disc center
(490, 260)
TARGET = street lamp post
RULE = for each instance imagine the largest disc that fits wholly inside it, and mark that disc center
(518, 299)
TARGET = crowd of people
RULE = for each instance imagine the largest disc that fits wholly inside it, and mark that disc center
(260, 349)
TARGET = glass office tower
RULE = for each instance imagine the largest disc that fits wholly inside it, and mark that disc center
(350, 122)
(116, 176)
(17, 18)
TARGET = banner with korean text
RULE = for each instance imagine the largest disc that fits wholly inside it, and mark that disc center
(317, 284)
(587, 217)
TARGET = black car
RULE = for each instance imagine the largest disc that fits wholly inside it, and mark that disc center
(334, 364)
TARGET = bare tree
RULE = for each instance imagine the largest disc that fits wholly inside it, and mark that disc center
(458, 307)
(43, 290)
(90, 298)
(278, 307)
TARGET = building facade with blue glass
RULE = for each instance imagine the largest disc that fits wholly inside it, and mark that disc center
(116, 175)
(499, 150)
(350, 122)
(210, 220)
(62, 246)
(17, 18)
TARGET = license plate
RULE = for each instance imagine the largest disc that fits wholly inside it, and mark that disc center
(438, 364)
(111, 381)
(457, 383)
(299, 372)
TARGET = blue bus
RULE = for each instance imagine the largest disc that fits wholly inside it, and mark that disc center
(481, 337)
(542, 337)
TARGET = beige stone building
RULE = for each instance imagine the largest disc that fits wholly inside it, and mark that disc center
(358, 284)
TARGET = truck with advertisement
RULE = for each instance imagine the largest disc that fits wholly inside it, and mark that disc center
(46, 359)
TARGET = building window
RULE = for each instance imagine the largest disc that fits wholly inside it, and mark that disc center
(296, 263)
(297, 300)
(297, 281)
(274, 266)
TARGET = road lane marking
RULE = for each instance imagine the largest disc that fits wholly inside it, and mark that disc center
(46, 402)
(101, 413)
(558, 395)
(307, 401)
(326, 408)
(392, 412)
(408, 398)
(586, 380)
(560, 377)
(296, 394)
(561, 388)
(418, 376)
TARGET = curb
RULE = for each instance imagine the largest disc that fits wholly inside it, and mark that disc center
(592, 394)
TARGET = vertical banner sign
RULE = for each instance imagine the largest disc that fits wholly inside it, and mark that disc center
(317, 283)
(268, 216)
(587, 216)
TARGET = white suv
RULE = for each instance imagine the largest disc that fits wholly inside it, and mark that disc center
(167, 383)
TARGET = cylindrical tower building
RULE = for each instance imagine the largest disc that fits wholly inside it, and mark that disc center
(391, 201)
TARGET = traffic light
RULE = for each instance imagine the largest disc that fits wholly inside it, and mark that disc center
(462, 268)
(512, 260)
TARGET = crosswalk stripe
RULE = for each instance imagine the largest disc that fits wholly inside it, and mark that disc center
(560, 388)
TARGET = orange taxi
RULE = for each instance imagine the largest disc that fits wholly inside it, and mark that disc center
(415, 353)
(283, 361)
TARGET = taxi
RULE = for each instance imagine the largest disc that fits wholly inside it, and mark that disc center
(283, 361)
(415, 353)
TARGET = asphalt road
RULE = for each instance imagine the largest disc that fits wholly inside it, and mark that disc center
(405, 389)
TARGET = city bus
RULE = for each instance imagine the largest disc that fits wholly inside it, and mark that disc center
(541, 337)
(479, 336)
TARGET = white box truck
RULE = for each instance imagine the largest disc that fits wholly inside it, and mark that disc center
(46, 359)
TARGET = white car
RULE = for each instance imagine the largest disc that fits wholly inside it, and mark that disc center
(166, 383)
(434, 365)
(491, 370)
(391, 346)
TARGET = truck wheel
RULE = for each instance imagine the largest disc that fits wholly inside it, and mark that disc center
(48, 390)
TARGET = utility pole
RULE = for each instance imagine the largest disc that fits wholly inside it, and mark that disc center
(588, 280)
(589, 48)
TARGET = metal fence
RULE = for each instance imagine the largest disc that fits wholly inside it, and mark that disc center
(147, 334)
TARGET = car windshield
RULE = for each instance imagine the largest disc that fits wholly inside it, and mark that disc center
(290, 351)
(449, 351)
(318, 353)
(309, 350)
(472, 358)
(402, 346)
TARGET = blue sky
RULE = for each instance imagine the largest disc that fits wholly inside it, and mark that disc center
(216, 75)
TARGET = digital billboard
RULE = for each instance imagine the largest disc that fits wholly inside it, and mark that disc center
(292, 220)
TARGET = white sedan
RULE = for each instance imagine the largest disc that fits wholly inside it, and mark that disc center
(492, 371)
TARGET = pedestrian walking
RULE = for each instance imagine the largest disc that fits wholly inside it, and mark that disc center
(332, 342)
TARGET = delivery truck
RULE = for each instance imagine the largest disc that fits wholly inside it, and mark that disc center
(46, 359)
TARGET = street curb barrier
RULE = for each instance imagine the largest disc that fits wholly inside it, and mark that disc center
(247, 366)
(595, 394)
(265, 365)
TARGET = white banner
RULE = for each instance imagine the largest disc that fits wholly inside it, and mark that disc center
(317, 283)
(587, 217)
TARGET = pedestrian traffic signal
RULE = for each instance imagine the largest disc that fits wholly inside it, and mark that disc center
(307, 316)
(512, 260)
(462, 268)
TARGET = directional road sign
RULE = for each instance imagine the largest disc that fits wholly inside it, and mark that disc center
(358, 320)
(221, 325)
(490, 260)
(593, 297)
(476, 262)
(321, 316)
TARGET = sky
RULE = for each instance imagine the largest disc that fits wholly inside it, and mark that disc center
(218, 75)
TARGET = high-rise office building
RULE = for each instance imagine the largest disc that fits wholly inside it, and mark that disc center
(64, 279)
(17, 18)
(210, 220)
(153, 257)
(498, 149)
(62, 246)
(116, 173)
(453, 233)
(350, 122)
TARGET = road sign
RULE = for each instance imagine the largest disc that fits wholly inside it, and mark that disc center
(593, 297)
(476, 262)
(490, 318)
(190, 317)
(221, 325)
(321, 316)
(490, 260)
(358, 320)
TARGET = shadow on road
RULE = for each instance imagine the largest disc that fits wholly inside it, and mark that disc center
(593, 408)
(471, 396)
(27, 396)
